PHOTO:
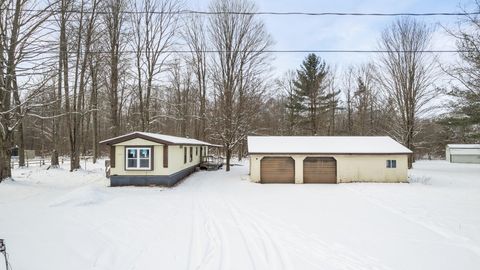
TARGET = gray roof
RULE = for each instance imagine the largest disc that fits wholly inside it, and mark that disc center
(156, 137)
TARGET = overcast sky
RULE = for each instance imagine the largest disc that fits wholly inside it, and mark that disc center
(344, 32)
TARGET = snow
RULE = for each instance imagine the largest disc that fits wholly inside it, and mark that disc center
(325, 144)
(54, 219)
(167, 138)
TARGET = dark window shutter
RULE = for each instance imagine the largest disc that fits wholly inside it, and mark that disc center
(112, 156)
(165, 156)
(152, 158)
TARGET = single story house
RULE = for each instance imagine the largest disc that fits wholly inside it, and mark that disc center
(463, 153)
(327, 159)
(142, 158)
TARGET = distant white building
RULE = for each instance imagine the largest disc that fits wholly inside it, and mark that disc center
(463, 153)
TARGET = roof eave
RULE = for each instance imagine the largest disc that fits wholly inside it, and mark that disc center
(131, 136)
(320, 153)
(135, 135)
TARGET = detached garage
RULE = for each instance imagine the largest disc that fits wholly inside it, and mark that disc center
(326, 160)
(463, 153)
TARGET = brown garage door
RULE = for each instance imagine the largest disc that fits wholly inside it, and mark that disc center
(277, 170)
(319, 170)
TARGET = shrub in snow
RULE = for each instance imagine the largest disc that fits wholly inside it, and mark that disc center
(425, 180)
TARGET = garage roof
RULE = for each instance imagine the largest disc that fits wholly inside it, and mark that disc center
(155, 137)
(464, 146)
(464, 149)
(325, 145)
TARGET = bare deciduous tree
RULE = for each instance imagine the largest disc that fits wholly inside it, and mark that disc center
(195, 37)
(240, 41)
(114, 18)
(292, 103)
(407, 75)
(154, 27)
(18, 29)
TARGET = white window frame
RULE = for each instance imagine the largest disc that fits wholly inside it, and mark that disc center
(390, 163)
(138, 168)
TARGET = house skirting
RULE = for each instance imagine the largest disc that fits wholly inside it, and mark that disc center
(150, 180)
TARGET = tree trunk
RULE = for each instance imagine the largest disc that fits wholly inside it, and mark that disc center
(203, 117)
(54, 159)
(21, 137)
(114, 96)
(5, 159)
(240, 152)
(61, 70)
(410, 146)
(115, 19)
(94, 103)
(228, 157)
(21, 145)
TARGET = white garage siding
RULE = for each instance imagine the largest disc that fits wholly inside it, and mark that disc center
(463, 153)
(350, 168)
(358, 159)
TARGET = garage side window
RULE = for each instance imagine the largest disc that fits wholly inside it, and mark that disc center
(138, 158)
(391, 163)
(184, 154)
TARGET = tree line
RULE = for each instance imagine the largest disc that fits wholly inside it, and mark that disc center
(75, 72)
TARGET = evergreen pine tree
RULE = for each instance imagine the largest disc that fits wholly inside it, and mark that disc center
(311, 87)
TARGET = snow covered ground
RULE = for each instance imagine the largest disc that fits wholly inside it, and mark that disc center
(54, 219)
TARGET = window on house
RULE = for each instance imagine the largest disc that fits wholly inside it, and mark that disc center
(191, 154)
(391, 163)
(184, 154)
(196, 150)
(138, 158)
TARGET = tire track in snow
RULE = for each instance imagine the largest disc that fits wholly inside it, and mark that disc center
(216, 250)
(193, 233)
(443, 232)
(274, 257)
(331, 256)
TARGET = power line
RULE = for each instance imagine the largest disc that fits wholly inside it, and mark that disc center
(333, 13)
(274, 13)
(272, 51)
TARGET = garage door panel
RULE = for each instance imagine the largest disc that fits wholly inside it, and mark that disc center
(465, 159)
(277, 170)
(319, 170)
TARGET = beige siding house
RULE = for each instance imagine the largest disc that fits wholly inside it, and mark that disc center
(326, 159)
(142, 158)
